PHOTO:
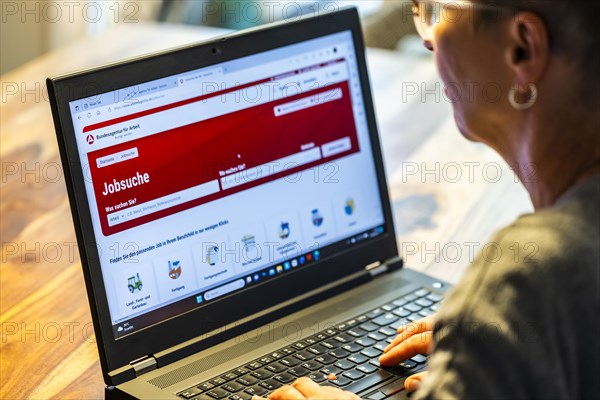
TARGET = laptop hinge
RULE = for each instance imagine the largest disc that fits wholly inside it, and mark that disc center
(143, 365)
(377, 267)
(394, 263)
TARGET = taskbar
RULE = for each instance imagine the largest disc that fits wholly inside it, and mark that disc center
(206, 297)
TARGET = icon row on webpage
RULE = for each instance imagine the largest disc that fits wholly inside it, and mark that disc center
(222, 256)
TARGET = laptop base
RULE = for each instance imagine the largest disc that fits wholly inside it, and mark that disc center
(281, 333)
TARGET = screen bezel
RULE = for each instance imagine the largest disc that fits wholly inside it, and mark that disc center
(116, 355)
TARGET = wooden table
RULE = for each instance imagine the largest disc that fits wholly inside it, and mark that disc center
(48, 347)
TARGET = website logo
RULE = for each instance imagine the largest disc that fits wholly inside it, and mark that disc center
(90, 139)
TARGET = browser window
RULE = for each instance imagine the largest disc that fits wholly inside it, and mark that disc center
(205, 183)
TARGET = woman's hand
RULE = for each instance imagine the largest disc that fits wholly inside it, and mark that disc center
(305, 388)
(412, 339)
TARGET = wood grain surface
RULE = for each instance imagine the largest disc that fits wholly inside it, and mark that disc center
(48, 348)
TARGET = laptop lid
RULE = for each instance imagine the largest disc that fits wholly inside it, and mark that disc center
(212, 182)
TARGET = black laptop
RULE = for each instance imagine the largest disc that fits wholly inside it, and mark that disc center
(233, 219)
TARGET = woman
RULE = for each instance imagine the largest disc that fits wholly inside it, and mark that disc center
(526, 324)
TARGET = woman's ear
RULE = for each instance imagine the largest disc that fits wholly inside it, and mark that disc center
(528, 52)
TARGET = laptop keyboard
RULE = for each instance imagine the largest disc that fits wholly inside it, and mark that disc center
(344, 356)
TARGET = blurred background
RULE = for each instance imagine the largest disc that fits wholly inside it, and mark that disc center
(31, 28)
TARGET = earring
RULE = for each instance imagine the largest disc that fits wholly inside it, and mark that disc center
(512, 99)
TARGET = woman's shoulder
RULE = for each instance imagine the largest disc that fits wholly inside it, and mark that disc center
(567, 232)
(547, 257)
(527, 306)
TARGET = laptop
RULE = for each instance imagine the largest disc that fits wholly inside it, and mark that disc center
(232, 215)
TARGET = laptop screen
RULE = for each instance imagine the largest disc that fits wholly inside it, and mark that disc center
(205, 183)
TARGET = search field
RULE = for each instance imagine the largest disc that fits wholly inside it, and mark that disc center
(163, 203)
(223, 290)
(307, 102)
(270, 168)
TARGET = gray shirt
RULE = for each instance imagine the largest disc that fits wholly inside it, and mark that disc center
(524, 322)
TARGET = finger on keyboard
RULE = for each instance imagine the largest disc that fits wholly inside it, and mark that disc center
(420, 325)
(286, 393)
(406, 331)
(416, 344)
(413, 382)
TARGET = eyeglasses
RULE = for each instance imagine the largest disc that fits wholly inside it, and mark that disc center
(428, 13)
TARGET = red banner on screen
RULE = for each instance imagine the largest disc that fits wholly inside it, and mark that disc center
(196, 156)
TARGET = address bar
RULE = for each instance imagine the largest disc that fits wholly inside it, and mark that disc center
(212, 107)
(184, 81)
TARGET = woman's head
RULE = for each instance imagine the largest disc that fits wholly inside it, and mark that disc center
(487, 50)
